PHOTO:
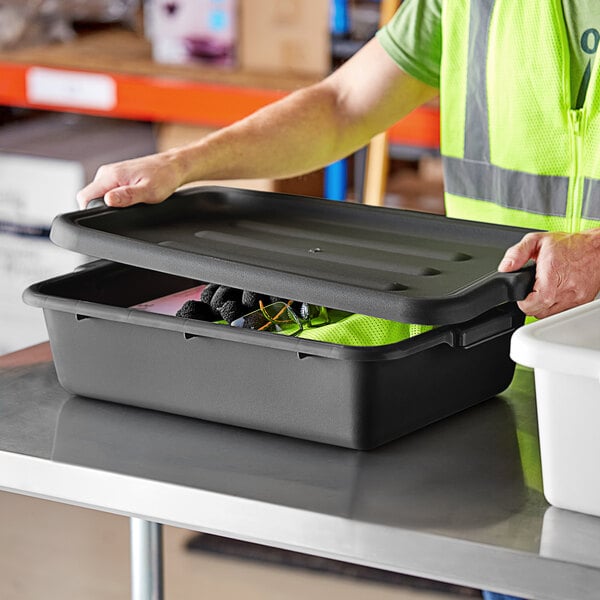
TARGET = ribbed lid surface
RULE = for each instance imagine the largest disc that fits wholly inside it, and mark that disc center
(399, 265)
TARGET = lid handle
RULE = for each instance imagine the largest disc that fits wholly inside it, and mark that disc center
(519, 283)
(96, 203)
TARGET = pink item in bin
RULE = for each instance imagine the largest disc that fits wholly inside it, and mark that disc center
(169, 305)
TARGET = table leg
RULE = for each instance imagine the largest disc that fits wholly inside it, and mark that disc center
(146, 560)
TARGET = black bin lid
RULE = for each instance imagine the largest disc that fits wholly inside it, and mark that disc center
(399, 265)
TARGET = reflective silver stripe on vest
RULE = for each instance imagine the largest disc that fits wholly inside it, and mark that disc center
(539, 194)
(477, 137)
(591, 199)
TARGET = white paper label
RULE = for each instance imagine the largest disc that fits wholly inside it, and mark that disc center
(68, 88)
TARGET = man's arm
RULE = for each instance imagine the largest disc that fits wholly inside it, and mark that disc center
(305, 131)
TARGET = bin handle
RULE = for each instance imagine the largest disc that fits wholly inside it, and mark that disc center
(486, 328)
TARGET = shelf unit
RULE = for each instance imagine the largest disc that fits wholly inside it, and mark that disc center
(145, 90)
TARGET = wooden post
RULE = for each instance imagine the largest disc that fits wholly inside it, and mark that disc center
(376, 170)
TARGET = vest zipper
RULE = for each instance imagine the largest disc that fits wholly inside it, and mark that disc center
(575, 195)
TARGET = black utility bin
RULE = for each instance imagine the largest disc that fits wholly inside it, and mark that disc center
(391, 264)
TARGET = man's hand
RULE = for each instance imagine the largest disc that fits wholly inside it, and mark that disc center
(149, 179)
(567, 269)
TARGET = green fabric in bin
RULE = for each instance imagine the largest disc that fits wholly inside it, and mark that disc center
(361, 330)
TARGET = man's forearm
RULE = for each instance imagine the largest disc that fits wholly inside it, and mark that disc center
(313, 126)
(295, 135)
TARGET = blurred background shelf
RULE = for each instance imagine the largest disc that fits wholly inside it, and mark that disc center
(146, 90)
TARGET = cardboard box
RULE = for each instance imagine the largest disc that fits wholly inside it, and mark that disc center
(184, 31)
(290, 36)
(44, 162)
(172, 135)
(25, 259)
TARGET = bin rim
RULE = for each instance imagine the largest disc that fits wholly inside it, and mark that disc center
(548, 344)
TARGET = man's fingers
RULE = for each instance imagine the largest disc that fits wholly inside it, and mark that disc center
(516, 256)
(537, 304)
(125, 195)
(545, 289)
(541, 310)
(95, 189)
(552, 295)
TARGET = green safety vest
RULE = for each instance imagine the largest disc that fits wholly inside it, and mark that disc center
(514, 151)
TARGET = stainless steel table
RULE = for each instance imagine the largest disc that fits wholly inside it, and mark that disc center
(459, 501)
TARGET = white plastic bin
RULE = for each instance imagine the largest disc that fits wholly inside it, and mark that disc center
(564, 351)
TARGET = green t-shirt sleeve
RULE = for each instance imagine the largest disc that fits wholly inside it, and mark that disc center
(413, 39)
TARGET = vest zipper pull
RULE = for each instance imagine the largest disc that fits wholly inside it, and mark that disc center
(575, 118)
(576, 184)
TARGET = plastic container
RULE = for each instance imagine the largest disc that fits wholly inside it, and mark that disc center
(399, 265)
(564, 351)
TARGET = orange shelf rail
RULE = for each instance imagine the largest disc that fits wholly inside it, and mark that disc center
(151, 98)
(176, 100)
